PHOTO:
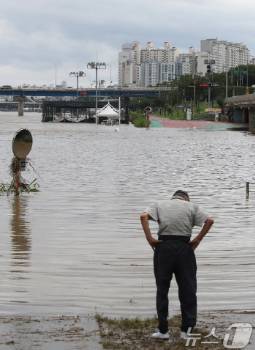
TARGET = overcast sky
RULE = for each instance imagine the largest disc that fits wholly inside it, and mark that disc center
(41, 41)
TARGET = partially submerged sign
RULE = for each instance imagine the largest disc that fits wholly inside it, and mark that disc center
(148, 110)
(22, 144)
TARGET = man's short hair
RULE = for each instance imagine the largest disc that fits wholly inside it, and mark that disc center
(181, 193)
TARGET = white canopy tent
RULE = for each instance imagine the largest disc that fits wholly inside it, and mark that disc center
(108, 111)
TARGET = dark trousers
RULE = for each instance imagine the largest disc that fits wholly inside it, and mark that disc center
(176, 256)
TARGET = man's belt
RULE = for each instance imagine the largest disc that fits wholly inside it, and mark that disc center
(174, 238)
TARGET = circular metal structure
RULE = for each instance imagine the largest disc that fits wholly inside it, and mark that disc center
(22, 143)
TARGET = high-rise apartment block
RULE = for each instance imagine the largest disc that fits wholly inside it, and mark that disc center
(150, 66)
(129, 60)
(252, 60)
(225, 54)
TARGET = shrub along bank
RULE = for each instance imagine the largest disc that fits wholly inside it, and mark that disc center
(138, 120)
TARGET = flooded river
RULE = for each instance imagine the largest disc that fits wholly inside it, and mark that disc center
(77, 245)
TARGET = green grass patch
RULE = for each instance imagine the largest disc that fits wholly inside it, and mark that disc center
(177, 115)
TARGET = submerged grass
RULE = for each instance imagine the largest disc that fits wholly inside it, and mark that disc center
(134, 334)
(139, 120)
(9, 188)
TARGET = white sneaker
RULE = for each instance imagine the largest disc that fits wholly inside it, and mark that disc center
(184, 336)
(159, 335)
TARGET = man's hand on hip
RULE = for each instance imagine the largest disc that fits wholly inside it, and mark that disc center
(206, 227)
(153, 242)
(194, 243)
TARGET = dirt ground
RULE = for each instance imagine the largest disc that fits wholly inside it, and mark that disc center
(49, 333)
(98, 333)
(135, 334)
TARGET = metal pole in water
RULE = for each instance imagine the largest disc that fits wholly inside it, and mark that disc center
(247, 190)
(119, 110)
(96, 96)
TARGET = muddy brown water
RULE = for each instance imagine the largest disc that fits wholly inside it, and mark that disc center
(77, 245)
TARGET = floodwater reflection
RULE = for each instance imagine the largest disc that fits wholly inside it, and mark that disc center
(20, 233)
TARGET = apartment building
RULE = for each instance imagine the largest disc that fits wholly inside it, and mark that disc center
(201, 63)
(167, 54)
(226, 54)
(129, 59)
(167, 72)
(150, 73)
(150, 65)
(252, 60)
(186, 63)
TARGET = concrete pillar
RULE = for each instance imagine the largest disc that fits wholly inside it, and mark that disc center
(243, 115)
(20, 107)
(252, 120)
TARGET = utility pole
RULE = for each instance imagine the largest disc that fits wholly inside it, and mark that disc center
(96, 66)
(247, 78)
(226, 82)
(208, 69)
(194, 97)
(194, 70)
(209, 64)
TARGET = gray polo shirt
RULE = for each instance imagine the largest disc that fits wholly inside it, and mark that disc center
(176, 216)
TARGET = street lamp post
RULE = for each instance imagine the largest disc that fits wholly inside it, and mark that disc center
(209, 70)
(226, 82)
(77, 75)
(96, 66)
(247, 76)
(194, 70)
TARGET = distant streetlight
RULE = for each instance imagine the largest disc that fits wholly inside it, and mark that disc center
(226, 83)
(226, 68)
(78, 75)
(247, 76)
(209, 63)
(96, 66)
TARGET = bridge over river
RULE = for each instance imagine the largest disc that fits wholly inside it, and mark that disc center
(21, 93)
(61, 92)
